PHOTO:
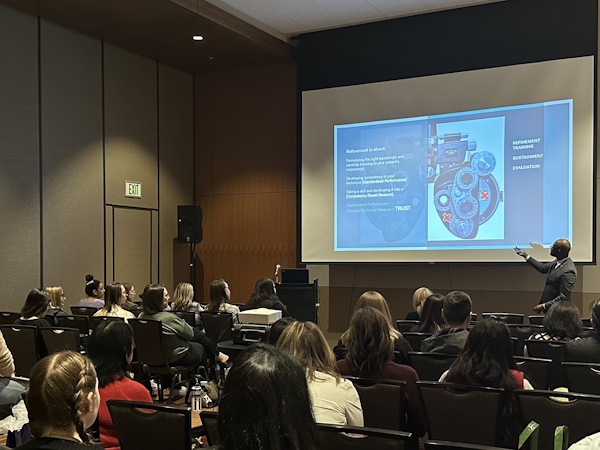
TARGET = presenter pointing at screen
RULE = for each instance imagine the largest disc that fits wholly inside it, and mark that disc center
(561, 274)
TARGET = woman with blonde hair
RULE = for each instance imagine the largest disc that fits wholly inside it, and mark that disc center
(57, 294)
(334, 400)
(183, 300)
(419, 297)
(62, 402)
(113, 303)
(375, 300)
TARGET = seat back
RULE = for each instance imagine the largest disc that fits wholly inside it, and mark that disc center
(8, 318)
(430, 366)
(551, 409)
(97, 320)
(84, 311)
(447, 445)
(404, 326)
(553, 350)
(521, 333)
(151, 425)
(335, 437)
(187, 316)
(535, 369)
(383, 402)
(415, 339)
(460, 413)
(217, 325)
(210, 423)
(536, 320)
(582, 377)
(82, 323)
(22, 341)
(57, 339)
(505, 317)
(586, 323)
(148, 342)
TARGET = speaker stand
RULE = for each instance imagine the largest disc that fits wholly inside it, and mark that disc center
(192, 266)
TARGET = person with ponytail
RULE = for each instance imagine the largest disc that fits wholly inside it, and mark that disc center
(62, 402)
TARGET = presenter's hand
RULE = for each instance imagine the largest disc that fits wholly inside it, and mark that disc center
(520, 252)
(538, 308)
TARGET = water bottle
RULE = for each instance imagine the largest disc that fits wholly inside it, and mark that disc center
(197, 397)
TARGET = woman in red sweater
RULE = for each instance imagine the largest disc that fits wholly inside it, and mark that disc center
(111, 349)
(370, 353)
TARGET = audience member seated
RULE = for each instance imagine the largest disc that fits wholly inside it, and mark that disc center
(376, 300)
(115, 299)
(62, 402)
(184, 345)
(220, 295)
(457, 314)
(111, 350)
(183, 300)
(35, 308)
(587, 349)
(94, 289)
(487, 360)
(57, 294)
(131, 295)
(277, 328)
(561, 323)
(333, 399)
(370, 351)
(10, 390)
(419, 297)
(264, 296)
(265, 403)
(431, 320)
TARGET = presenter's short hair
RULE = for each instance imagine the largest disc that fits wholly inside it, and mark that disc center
(457, 307)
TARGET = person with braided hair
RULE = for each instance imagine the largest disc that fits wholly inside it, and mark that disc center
(62, 402)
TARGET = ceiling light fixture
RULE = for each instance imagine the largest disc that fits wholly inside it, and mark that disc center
(197, 37)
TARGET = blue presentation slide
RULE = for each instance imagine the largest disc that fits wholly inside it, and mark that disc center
(485, 179)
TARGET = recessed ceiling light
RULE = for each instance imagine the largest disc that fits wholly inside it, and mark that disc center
(197, 37)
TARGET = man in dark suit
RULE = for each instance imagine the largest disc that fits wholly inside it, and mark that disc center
(561, 274)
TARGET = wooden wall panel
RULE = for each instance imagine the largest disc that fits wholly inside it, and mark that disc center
(130, 102)
(245, 175)
(72, 160)
(176, 168)
(20, 239)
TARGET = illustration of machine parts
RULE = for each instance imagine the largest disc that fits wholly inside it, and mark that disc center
(397, 215)
(466, 194)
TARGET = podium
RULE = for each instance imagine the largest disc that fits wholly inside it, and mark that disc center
(300, 299)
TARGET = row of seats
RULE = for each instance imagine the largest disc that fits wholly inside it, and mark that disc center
(469, 415)
(509, 318)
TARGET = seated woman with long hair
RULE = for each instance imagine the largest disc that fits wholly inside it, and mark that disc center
(220, 295)
(370, 351)
(487, 360)
(183, 300)
(131, 295)
(62, 402)
(431, 320)
(183, 344)
(334, 400)
(35, 308)
(111, 350)
(115, 298)
(57, 294)
(376, 300)
(94, 289)
(265, 403)
(264, 296)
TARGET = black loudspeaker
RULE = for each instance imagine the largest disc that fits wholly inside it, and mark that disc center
(189, 224)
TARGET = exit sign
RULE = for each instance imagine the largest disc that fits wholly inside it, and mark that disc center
(133, 189)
